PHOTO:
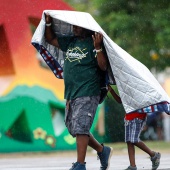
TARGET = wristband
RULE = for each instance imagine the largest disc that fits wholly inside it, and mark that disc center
(98, 51)
(48, 24)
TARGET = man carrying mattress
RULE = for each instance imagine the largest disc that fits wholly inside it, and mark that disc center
(83, 62)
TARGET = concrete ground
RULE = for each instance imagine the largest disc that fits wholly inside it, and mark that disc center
(63, 161)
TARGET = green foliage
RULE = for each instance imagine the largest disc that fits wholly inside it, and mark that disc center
(139, 27)
(142, 28)
(114, 121)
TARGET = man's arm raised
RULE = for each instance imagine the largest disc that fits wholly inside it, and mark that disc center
(49, 34)
(101, 58)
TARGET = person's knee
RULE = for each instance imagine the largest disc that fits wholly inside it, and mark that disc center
(131, 142)
(82, 135)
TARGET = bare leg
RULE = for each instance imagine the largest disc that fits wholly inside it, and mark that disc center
(131, 153)
(82, 142)
(93, 143)
(143, 147)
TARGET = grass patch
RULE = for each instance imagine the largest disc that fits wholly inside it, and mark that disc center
(160, 146)
(119, 148)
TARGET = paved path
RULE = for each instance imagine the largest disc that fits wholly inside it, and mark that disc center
(59, 161)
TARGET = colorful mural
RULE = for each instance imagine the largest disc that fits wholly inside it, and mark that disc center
(31, 97)
(18, 64)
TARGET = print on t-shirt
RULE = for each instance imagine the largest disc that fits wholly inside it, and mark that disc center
(76, 54)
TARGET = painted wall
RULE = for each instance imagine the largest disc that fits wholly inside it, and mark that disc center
(31, 97)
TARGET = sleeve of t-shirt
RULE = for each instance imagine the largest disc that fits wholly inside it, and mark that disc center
(63, 42)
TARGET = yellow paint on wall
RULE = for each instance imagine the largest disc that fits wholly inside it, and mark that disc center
(28, 71)
(167, 86)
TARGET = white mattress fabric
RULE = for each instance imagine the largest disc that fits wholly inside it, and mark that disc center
(138, 88)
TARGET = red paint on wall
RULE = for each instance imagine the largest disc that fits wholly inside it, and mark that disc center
(17, 55)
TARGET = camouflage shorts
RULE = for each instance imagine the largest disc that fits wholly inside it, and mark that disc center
(80, 113)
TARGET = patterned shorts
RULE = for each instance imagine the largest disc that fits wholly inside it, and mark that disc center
(80, 113)
(133, 129)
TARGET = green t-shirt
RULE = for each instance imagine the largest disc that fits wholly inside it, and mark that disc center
(81, 71)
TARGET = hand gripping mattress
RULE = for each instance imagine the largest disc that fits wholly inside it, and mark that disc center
(138, 88)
